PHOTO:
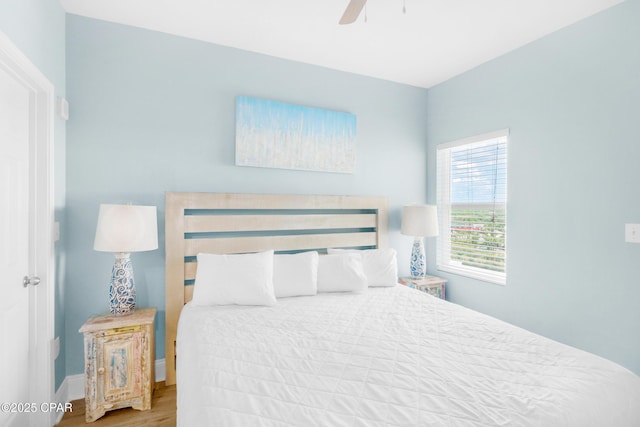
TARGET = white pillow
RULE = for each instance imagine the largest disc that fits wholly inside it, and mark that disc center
(243, 279)
(295, 275)
(341, 273)
(380, 265)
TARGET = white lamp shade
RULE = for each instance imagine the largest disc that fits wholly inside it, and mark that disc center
(420, 220)
(126, 228)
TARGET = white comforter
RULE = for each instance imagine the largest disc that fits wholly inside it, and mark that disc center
(388, 357)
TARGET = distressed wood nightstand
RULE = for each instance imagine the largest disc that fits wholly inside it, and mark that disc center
(430, 284)
(119, 361)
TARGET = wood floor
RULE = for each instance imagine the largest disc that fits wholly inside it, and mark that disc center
(162, 413)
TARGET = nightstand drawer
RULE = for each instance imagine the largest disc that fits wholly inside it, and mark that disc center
(123, 330)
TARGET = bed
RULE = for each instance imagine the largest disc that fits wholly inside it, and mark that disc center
(386, 356)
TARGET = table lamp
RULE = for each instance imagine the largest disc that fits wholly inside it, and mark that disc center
(419, 221)
(123, 229)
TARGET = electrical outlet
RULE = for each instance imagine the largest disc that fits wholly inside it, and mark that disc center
(632, 233)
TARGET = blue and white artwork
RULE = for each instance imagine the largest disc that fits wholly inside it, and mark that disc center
(273, 134)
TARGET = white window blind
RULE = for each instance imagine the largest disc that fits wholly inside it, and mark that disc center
(472, 206)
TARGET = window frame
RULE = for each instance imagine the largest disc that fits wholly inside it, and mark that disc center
(444, 203)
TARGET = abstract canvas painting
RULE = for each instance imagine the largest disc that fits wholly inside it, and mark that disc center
(277, 135)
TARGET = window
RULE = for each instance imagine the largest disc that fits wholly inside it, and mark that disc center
(472, 206)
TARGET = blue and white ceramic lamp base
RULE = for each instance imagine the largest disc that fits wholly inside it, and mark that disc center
(122, 290)
(418, 265)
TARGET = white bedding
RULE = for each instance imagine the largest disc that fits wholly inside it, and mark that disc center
(387, 357)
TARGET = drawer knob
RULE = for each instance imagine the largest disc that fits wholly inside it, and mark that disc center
(100, 371)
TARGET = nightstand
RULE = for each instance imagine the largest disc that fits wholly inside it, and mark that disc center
(119, 362)
(430, 284)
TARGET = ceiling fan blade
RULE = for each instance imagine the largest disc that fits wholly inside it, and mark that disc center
(352, 11)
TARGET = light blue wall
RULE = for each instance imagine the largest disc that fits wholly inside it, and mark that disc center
(572, 102)
(155, 113)
(37, 28)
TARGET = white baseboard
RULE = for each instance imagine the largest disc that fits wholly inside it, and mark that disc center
(72, 388)
(61, 398)
(161, 370)
(75, 387)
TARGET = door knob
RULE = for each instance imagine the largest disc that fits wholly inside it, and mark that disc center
(26, 281)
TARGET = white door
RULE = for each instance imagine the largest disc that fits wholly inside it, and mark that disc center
(25, 343)
(14, 247)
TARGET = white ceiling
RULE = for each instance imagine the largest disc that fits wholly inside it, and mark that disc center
(434, 41)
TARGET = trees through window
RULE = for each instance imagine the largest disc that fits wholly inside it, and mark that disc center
(472, 206)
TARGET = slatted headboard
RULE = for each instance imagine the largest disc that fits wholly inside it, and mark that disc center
(242, 223)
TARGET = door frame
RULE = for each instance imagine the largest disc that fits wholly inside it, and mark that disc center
(41, 207)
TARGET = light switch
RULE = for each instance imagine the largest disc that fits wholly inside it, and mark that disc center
(632, 233)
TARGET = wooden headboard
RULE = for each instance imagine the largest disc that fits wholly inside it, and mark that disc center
(242, 223)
